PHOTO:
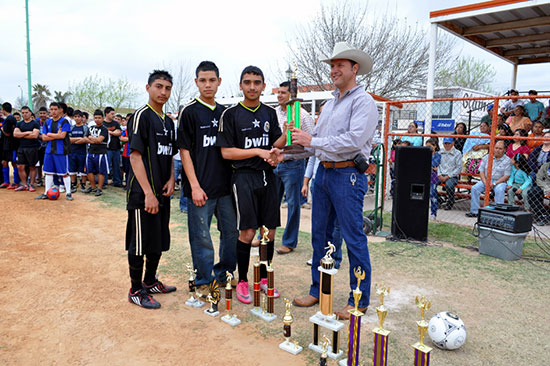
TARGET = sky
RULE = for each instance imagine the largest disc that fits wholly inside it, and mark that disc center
(128, 38)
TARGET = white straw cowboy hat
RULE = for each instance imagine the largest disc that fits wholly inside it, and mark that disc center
(344, 50)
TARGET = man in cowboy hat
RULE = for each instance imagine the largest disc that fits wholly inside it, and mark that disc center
(342, 141)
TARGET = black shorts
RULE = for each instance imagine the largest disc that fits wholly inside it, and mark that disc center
(256, 198)
(27, 156)
(147, 233)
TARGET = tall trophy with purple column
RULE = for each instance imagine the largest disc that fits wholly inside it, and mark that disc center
(354, 325)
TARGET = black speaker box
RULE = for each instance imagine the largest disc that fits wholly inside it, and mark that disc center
(411, 201)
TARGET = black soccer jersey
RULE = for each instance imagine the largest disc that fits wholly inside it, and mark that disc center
(28, 127)
(248, 128)
(78, 132)
(197, 130)
(114, 141)
(96, 131)
(10, 142)
(154, 136)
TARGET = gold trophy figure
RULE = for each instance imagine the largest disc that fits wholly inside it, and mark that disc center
(421, 351)
(266, 311)
(229, 318)
(193, 301)
(213, 298)
(291, 347)
(325, 349)
(380, 349)
(325, 317)
(354, 326)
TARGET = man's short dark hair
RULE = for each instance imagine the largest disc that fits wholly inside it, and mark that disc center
(43, 109)
(107, 110)
(532, 92)
(98, 112)
(85, 114)
(55, 104)
(118, 115)
(6, 106)
(25, 108)
(77, 112)
(207, 66)
(159, 74)
(285, 84)
(64, 107)
(254, 70)
(70, 111)
(17, 114)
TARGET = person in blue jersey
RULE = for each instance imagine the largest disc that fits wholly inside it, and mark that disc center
(207, 180)
(152, 139)
(77, 157)
(56, 162)
(9, 148)
(247, 132)
(27, 132)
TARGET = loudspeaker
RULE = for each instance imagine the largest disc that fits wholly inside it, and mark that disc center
(411, 201)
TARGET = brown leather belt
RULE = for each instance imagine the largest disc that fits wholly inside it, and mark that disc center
(337, 164)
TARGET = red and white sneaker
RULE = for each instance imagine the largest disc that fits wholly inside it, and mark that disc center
(31, 188)
(12, 186)
(4, 185)
(242, 292)
(143, 299)
(263, 287)
(21, 188)
(158, 288)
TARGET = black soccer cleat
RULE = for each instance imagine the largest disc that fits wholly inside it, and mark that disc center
(143, 299)
(158, 288)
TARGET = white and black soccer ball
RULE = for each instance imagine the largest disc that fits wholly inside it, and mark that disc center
(447, 330)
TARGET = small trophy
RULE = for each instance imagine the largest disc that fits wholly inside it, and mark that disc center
(421, 351)
(380, 351)
(293, 113)
(354, 327)
(192, 301)
(324, 353)
(229, 318)
(265, 312)
(288, 346)
(213, 298)
(325, 317)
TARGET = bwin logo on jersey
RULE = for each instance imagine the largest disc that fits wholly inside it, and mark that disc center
(256, 142)
(164, 149)
(208, 141)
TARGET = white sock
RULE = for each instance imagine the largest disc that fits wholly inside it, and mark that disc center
(67, 184)
(49, 182)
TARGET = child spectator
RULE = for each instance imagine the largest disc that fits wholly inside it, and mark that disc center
(519, 146)
(396, 142)
(436, 160)
(414, 140)
(519, 182)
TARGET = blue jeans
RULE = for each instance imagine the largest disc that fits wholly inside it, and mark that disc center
(449, 186)
(479, 188)
(113, 158)
(178, 170)
(339, 194)
(291, 174)
(202, 250)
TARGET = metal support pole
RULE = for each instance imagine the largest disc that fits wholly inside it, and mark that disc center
(514, 76)
(431, 78)
(29, 81)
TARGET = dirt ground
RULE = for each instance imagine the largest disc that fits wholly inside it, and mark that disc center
(63, 285)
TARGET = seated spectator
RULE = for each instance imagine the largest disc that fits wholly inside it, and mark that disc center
(436, 160)
(519, 146)
(499, 177)
(414, 140)
(519, 182)
(537, 132)
(478, 144)
(449, 170)
(460, 129)
(502, 127)
(519, 120)
(534, 108)
(509, 106)
(395, 143)
(536, 195)
(488, 118)
(539, 156)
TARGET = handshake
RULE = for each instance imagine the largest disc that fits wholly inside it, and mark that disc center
(273, 156)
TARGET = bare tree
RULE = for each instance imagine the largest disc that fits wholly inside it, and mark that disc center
(183, 88)
(469, 72)
(399, 50)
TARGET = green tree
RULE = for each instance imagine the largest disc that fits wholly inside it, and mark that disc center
(468, 72)
(61, 97)
(95, 92)
(41, 96)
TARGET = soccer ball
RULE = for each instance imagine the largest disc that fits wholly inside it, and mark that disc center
(447, 330)
(53, 193)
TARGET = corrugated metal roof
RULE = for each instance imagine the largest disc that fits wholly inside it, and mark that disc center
(517, 31)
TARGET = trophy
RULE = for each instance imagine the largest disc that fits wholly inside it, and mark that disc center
(325, 346)
(265, 312)
(293, 347)
(354, 327)
(229, 318)
(325, 317)
(380, 352)
(293, 113)
(192, 301)
(213, 298)
(421, 351)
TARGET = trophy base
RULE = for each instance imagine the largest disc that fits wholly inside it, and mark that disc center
(293, 149)
(211, 313)
(382, 332)
(328, 322)
(263, 315)
(231, 320)
(319, 349)
(422, 347)
(194, 303)
(290, 347)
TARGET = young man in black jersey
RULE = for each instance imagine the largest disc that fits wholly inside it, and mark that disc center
(96, 159)
(207, 180)
(150, 184)
(9, 148)
(27, 132)
(246, 135)
(77, 156)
